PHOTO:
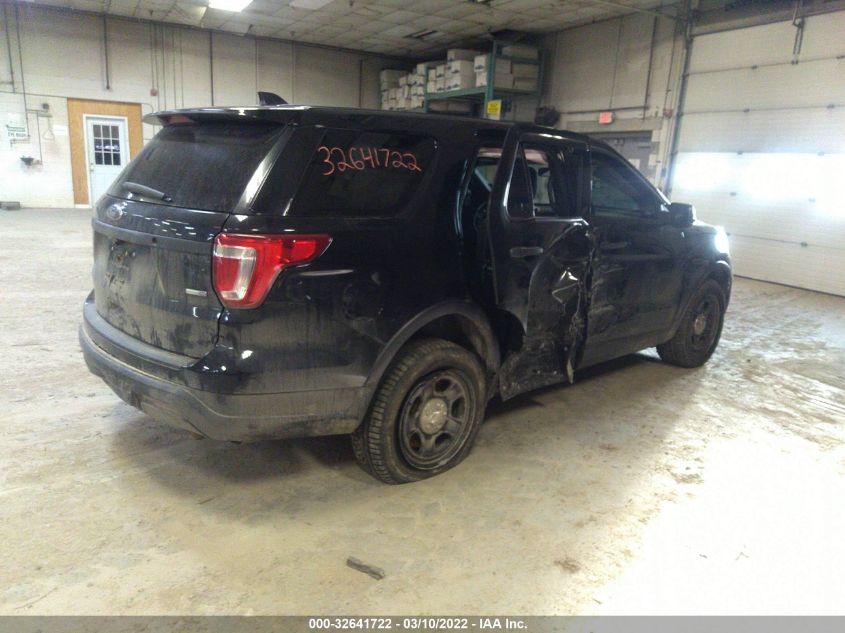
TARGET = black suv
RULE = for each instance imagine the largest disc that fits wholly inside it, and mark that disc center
(271, 272)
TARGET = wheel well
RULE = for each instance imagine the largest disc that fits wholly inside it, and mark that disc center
(463, 331)
(721, 274)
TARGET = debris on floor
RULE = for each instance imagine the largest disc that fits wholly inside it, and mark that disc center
(375, 572)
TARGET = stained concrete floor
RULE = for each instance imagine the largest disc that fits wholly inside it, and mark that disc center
(642, 488)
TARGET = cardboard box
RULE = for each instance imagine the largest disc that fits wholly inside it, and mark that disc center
(525, 83)
(521, 50)
(432, 74)
(482, 63)
(431, 86)
(423, 67)
(389, 78)
(530, 71)
(454, 54)
(459, 67)
(460, 82)
(440, 84)
(440, 71)
(501, 80)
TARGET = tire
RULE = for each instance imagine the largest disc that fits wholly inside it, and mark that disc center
(700, 328)
(424, 415)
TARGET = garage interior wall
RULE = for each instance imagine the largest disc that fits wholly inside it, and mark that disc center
(761, 148)
(61, 55)
(630, 66)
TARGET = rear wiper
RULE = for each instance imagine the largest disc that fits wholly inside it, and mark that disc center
(148, 192)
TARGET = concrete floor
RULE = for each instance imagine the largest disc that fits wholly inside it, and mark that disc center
(643, 488)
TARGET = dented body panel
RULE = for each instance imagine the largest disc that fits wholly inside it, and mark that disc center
(535, 298)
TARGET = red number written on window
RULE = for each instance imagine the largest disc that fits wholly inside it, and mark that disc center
(360, 158)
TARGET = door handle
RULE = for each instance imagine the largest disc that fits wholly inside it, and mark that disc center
(519, 252)
(614, 246)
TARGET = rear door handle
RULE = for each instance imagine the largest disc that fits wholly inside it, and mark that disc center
(519, 252)
(614, 246)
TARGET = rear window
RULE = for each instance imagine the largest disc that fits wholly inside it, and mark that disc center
(200, 166)
(363, 174)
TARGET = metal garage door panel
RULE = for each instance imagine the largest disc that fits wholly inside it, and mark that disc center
(743, 47)
(823, 36)
(817, 83)
(763, 154)
(811, 267)
(768, 44)
(803, 131)
(767, 220)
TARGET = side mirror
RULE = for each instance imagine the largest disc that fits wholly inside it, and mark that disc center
(681, 214)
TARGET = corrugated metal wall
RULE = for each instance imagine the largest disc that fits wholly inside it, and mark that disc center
(761, 148)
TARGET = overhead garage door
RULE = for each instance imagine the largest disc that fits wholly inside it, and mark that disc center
(761, 148)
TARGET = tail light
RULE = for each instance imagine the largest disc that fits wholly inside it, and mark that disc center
(245, 266)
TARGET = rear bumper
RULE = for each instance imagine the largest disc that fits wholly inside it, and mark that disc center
(224, 416)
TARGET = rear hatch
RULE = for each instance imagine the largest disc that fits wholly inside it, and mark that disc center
(154, 230)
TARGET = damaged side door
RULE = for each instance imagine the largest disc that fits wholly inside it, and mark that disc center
(541, 251)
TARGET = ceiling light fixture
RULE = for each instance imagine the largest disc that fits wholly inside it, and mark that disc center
(228, 5)
(421, 35)
(311, 5)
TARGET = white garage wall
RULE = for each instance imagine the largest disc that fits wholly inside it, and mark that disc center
(762, 148)
(62, 55)
(629, 65)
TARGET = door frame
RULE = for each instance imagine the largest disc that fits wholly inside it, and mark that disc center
(550, 310)
(124, 151)
(76, 109)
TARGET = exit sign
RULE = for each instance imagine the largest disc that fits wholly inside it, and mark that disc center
(605, 118)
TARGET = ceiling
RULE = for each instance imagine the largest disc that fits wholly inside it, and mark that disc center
(377, 26)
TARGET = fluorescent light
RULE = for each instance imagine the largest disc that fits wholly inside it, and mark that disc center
(228, 5)
(309, 4)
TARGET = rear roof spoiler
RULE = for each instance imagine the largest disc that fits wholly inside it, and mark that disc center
(248, 114)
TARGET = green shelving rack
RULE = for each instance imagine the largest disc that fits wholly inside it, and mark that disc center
(481, 96)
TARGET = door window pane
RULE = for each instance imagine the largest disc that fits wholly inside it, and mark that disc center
(544, 182)
(616, 189)
(106, 140)
(364, 174)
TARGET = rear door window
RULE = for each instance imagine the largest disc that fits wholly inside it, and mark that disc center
(544, 182)
(363, 174)
(200, 166)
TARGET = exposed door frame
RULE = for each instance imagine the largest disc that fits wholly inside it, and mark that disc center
(124, 145)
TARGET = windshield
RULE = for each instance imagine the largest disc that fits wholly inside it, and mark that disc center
(198, 166)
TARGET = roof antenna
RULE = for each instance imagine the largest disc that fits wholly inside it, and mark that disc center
(270, 99)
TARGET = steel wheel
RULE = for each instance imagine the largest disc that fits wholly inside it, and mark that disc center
(434, 421)
(705, 322)
(700, 328)
(425, 413)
